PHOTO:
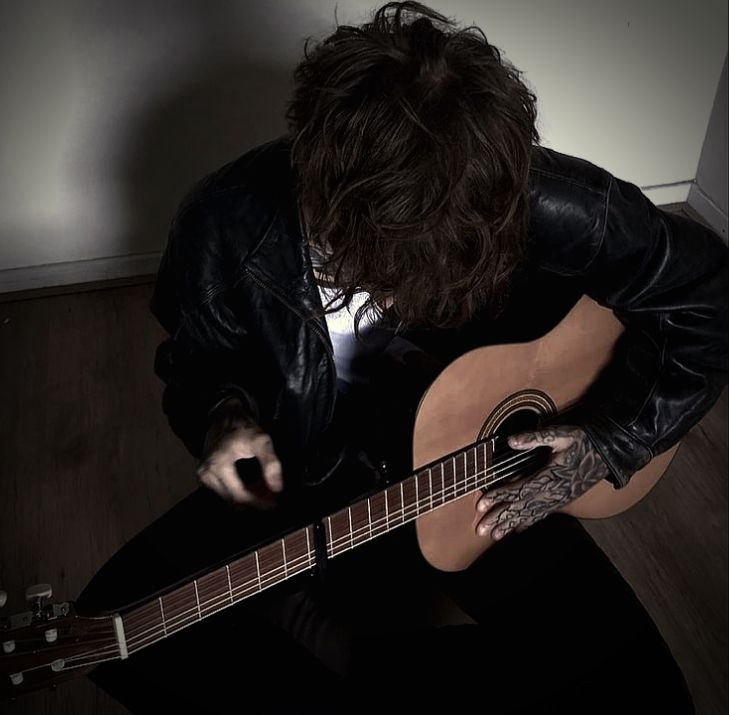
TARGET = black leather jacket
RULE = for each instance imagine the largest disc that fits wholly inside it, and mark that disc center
(236, 294)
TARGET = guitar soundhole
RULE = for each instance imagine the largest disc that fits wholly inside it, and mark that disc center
(524, 420)
(521, 420)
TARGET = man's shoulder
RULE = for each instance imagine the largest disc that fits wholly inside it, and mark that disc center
(568, 199)
(261, 174)
(551, 166)
(228, 212)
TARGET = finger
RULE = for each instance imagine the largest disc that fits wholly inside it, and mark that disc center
(498, 516)
(502, 495)
(271, 468)
(556, 439)
(519, 525)
(487, 501)
(208, 478)
(504, 522)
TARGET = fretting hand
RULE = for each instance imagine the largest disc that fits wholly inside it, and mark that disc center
(574, 467)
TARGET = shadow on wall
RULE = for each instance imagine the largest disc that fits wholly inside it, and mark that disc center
(217, 112)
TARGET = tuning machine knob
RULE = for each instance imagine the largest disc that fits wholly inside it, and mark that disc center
(37, 594)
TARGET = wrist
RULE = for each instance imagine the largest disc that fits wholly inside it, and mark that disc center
(228, 415)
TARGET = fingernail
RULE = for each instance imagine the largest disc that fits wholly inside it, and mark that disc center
(484, 504)
(496, 535)
(482, 529)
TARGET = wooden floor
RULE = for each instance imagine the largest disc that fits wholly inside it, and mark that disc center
(87, 460)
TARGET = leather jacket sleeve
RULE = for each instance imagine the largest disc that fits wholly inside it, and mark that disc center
(665, 278)
(203, 360)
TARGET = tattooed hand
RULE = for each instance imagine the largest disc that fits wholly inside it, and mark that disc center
(573, 468)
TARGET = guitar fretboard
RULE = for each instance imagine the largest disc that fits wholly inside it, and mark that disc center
(427, 489)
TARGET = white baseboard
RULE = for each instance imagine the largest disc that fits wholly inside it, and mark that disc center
(59, 274)
(708, 210)
(668, 193)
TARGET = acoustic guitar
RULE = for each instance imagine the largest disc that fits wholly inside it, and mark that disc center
(459, 450)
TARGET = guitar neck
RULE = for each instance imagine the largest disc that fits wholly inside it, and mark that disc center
(433, 486)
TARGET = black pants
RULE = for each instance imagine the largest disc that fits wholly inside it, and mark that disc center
(551, 627)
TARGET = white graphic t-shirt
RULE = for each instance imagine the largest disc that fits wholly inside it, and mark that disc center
(352, 356)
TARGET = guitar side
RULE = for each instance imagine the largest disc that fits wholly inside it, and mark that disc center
(478, 393)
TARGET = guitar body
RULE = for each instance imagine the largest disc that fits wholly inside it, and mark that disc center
(506, 388)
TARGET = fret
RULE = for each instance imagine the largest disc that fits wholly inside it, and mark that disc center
(283, 553)
(443, 493)
(482, 460)
(450, 478)
(402, 504)
(447, 485)
(362, 530)
(430, 487)
(197, 601)
(308, 546)
(258, 571)
(469, 459)
(421, 496)
(409, 490)
(214, 591)
(162, 613)
(270, 564)
(369, 518)
(329, 538)
(245, 576)
(387, 511)
(351, 531)
(297, 551)
(230, 584)
(178, 608)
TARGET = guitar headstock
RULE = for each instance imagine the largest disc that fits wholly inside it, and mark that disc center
(49, 644)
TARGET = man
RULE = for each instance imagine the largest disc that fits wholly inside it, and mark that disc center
(411, 185)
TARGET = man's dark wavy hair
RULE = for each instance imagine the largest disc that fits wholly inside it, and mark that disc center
(411, 142)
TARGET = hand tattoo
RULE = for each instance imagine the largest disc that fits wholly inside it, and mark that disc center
(574, 467)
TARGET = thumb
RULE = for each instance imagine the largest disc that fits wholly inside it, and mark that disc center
(555, 439)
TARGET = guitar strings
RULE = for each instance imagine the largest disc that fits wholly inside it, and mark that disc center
(397, 518)
(411, 513)
(401, 515)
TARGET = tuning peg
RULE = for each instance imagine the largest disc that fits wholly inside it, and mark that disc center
(37, 593)
(39, 590)
(3, 598)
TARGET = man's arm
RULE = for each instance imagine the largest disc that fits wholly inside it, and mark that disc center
(206, 358)
(666, 279)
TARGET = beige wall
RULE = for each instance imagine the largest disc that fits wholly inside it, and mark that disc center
(110, 110)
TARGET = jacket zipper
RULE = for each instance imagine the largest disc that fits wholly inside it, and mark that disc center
(316, 327)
